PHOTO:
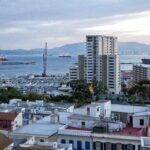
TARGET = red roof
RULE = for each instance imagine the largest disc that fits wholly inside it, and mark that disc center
(130, 131)
(9, 116)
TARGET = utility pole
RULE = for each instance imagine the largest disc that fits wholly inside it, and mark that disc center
(44, 74)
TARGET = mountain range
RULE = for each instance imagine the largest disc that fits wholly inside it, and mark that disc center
(125, 48)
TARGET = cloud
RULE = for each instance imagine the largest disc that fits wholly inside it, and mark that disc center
(29, 23)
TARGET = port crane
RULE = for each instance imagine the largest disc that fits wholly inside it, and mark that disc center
(44, 74)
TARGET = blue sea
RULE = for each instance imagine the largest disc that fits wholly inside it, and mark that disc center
(55, 65)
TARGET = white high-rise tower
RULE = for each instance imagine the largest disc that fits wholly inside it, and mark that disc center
(103, 61)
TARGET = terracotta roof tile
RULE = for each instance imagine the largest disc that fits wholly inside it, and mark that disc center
(9, 116)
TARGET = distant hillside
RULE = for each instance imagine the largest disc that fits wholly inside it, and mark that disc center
(125, 48)
(133, 48)
(21, 52)
(72, 49)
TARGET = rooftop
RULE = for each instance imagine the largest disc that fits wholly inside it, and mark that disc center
(9, 116)
(42, 127)
(146, 113)
(82, 117)
(143, 65)
(130, 131)
(128, 108)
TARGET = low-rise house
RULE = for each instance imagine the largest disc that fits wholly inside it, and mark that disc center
(10, 121)
(31, 144)
(96, 109)
(43, 130)
(141, 120)
(125, 113)
(106, 133)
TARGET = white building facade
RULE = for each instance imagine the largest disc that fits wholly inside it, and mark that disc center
(103, 61)
(74, 72)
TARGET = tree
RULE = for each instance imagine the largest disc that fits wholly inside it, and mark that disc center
(10, 93)
(85, 91)
(33, 96)
(141, 90)
(98, 88)
(124, 88)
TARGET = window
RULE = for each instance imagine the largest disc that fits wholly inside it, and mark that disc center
(113, 147)
(97, 109)
(41, 140)
(124, 147)
(139, 147)
(104, 146)
(87, 145)
(141, 122)
(101, 146)
(63, 141)
(79, 145)
(88, 111)
(5, 125)
(71, 142)
(94, 145)
(83, 124)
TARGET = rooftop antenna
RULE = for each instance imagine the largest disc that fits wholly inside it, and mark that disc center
(44, 74)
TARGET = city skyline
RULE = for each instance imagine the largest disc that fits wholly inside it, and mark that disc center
(30, 23)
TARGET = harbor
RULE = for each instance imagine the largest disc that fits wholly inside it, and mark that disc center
(52, 85)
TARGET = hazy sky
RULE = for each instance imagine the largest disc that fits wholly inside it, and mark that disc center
(30, 23)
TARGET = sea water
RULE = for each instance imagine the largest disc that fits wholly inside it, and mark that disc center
(55, 65)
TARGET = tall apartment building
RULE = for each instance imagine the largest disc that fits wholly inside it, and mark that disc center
(81, 65)
(103, 61)
(74, 72)
(141, 72)
(77, 71)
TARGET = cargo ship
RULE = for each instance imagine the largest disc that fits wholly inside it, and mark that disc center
(65, 56)
(3, 58)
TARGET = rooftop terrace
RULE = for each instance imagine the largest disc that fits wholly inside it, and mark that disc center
(130, 131)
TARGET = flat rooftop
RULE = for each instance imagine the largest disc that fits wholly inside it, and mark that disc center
(128, 108)
(82, 117)
(143, 65)
(130, 131)
(93, 104)
(42, 127)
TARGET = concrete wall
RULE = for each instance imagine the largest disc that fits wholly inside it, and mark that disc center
(99, 109)
(89, 124)
(18, 122)
(136, 121)
(75, 139)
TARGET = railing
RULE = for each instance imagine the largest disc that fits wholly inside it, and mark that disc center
(65, 131)
(116, 136)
